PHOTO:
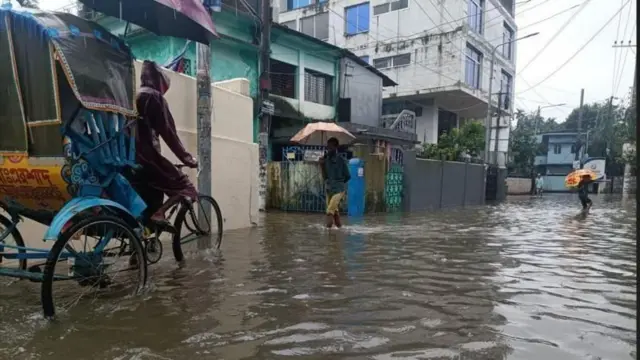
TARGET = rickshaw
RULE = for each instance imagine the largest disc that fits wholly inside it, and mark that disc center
(67, 135)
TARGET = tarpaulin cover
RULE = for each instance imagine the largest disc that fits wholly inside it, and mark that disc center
(98, 65)
(12, 123)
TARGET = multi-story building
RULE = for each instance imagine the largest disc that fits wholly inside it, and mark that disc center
(438, 52)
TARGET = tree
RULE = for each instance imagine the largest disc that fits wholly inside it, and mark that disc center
(34, 4)
(468, 140)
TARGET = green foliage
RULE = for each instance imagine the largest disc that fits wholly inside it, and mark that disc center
(604, 129)
(466, 140)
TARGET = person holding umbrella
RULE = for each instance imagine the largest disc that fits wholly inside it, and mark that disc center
(335, 173)
(333, 167)
(583, 192)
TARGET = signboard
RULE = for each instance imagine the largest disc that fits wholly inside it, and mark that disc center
(35, 187)
(268, 107)
(597, 166)
(313, 155)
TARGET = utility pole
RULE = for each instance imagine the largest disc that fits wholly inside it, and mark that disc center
(266, 110)
(495, 146)
(580, 110)
(628, 146)
(205, 104)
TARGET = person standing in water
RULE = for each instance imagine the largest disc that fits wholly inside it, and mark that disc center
(583, 192)
(539, 185)
(335, 174)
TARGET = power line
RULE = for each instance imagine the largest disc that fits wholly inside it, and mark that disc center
(578, 51)
(558, 32)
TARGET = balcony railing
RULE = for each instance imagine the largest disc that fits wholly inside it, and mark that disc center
(405, 121)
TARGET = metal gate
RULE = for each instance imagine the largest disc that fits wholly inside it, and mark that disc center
(301, 185)
(394, 181)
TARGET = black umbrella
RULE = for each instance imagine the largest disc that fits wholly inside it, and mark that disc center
(186, 19)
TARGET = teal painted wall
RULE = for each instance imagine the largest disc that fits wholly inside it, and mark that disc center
(232, 56)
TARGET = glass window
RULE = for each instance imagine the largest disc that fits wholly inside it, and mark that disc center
(392, 61)
(557, 149)
(507, 39)
(400, 4)
(400, 60)
(357, 19)
(382, 63)
(318, 88)
(476, 15)
(472, 67)
(283, 79)
(316, 26)
(381, 9)
(506, 86)
(365, 58)
(296, 4)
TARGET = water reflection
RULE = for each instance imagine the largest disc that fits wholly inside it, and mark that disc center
(524, 279)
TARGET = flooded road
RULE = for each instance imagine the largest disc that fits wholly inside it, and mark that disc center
(526, 279)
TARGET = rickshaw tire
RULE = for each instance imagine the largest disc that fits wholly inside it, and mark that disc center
(46, 291)
(176, 243)
(17, 237)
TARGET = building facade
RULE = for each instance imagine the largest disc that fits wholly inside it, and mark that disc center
(439, 53)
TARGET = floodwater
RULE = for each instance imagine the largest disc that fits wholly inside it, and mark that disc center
(526, 279)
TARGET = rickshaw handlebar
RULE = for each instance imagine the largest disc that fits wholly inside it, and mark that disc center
(182, 166)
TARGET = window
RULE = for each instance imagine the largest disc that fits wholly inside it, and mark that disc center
(472, 67)
(557, 149)
(573, 149)
(357, 19)
(297, 4)
(392, 61)
(506, 86)
(318, 88)
(365, 58)
(507, 39)
(290, 24)
(390, 6)
(316, 26)
(283, 79)
(476, 15)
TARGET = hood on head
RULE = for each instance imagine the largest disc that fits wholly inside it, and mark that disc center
(153, 77)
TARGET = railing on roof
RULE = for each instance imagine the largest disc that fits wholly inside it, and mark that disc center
(405, 121)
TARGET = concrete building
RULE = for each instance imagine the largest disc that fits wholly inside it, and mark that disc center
(438, 52)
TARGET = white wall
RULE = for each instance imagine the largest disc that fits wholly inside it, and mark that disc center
(234, 156)
(434, 32)
(427, 125)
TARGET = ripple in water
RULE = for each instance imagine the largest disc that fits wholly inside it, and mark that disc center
(525, 279)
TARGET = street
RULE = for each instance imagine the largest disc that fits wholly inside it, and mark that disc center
(526, 279)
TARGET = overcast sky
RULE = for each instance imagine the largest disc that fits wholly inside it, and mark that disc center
(592, 69)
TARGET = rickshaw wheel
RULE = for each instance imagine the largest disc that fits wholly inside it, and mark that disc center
(187, 215)
(88, 271)
(17, 238)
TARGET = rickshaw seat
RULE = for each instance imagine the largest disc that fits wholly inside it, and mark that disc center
(107, 144)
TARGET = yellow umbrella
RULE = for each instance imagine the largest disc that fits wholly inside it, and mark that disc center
(573, 179)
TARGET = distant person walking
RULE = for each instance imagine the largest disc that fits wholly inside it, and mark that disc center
(335, 173)
(539, 185)
(583, 192)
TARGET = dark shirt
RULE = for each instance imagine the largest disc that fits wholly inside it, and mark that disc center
(337, 173)
(583, 187)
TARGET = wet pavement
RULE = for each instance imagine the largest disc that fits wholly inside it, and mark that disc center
(527, 279)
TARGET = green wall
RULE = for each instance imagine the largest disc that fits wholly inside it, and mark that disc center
(232, 56)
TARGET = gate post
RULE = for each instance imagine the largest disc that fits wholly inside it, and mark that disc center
(355, 188)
